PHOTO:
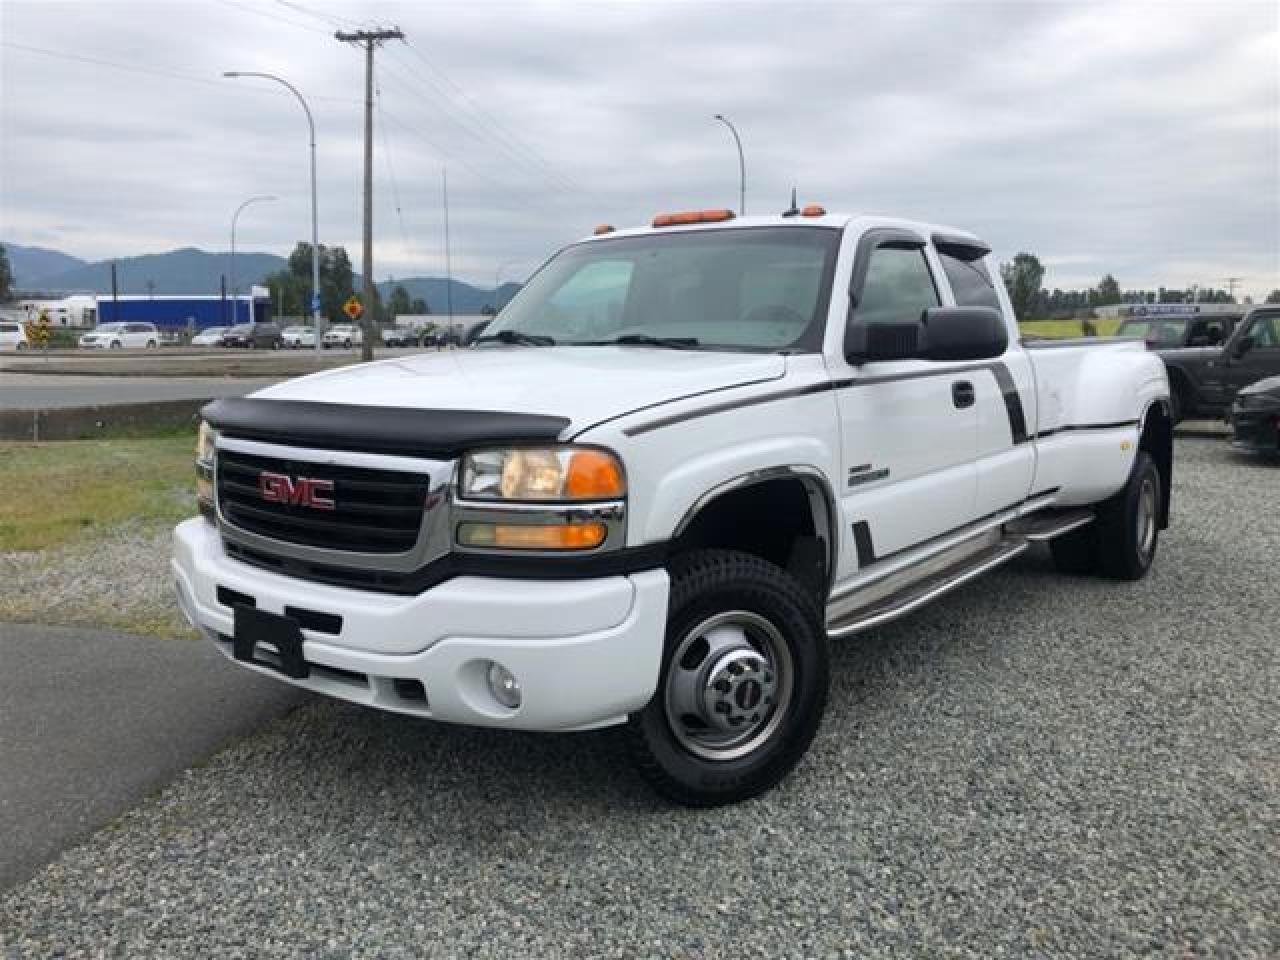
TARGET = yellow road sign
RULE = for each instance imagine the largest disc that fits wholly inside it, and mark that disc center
(352, 308)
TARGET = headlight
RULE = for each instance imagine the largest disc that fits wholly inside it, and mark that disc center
(206, 441)
(542, 474)
(547, 499)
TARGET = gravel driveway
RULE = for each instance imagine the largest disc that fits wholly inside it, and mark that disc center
(1035, 766)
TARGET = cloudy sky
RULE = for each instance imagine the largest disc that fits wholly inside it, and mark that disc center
(1140, 139)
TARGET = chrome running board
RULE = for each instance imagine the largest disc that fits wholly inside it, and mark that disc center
(1048, 524)
(917, 594)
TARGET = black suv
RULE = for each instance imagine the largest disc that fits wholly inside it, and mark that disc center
(254, 336)
(1204, 380)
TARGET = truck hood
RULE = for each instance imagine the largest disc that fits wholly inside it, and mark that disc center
(586, 385)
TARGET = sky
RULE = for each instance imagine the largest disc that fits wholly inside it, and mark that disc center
(1141, 140)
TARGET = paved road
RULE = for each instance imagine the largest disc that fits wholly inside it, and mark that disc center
(90, 723)
(20, 391)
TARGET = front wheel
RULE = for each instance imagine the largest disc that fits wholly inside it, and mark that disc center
(743, 683)
(151, 345)
(21, 346)
(116, 345)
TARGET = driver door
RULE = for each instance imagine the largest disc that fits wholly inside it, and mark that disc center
(909, 427)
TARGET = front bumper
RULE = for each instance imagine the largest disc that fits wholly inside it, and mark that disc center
(1256, 429)
(586, 652)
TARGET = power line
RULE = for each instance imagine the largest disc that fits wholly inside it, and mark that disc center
(146, 71)
(391, 169)
(476, 136)
(272, 16)
(493, 121)
(332, 20)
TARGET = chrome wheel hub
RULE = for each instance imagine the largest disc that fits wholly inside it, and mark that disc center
(728, 685)
(1146, 519)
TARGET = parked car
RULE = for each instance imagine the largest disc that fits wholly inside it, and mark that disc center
(298, 336)
(1255, 417)
(681, 459)
(253, 336)
(1205, 380)
(399, 337)
(116, 335)
(13, 336)
(343, 335)
(209, 337)
(1172, 332)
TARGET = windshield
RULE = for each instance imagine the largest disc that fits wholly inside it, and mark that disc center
(1164, 333)
(751, 288)
(110, 328)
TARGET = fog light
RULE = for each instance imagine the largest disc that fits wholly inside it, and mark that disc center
(504, 686)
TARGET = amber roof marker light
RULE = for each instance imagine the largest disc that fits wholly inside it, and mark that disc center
(814, 210)
(692, 216)
(603, 229)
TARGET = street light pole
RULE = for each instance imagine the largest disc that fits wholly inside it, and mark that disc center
(315, 230)
(232, 270)
(742, 166)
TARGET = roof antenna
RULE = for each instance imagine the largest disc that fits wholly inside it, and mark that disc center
(794, 210)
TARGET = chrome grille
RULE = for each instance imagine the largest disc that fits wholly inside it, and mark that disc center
(375, 511)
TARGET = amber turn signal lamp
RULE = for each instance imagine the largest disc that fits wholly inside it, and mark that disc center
(594, 475)
(603, 229)
(528, 536)
(814, 210)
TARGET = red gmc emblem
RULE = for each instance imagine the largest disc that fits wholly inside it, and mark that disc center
(296, 491)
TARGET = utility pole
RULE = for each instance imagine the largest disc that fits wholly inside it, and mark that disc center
(370, 40)
(115, 295)
(448, 259)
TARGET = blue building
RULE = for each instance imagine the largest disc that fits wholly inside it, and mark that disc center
(179, 313)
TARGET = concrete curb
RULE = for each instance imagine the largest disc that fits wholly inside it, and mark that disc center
(107, 420)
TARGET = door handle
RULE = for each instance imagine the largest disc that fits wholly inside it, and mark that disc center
(962, 394)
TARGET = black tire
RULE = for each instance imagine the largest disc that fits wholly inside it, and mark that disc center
(116, 345)
(347, 343)
(21, 346)
(1121, 542)
(152, 345)
(706, 585)
(1076, 552)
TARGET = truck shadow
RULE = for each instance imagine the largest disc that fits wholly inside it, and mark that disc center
(364, 761)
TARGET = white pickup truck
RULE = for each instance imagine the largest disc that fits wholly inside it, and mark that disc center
(681, 461)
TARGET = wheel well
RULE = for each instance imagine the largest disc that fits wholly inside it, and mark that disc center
(1157, 441)
(784, 520)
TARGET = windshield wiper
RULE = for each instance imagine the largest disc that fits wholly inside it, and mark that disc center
(642, 340)
(519, 338)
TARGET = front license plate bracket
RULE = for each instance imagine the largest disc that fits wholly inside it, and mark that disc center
(257, 632)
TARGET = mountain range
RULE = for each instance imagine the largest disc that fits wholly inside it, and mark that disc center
(191, 271)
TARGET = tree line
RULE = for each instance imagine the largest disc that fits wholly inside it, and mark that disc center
(291, 288)
(1024, 274)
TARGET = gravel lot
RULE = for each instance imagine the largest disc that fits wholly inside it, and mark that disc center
(119, 580)
(1036, 766)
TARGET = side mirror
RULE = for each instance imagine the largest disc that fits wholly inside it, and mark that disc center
(1243, 346)
(964, 333)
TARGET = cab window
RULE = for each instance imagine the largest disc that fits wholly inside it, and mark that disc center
(898, 287)
(970, 282)
(1265, 331)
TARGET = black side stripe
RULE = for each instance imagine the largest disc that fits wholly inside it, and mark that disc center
(1013, 402)
(863, 545)
(1087, 426)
